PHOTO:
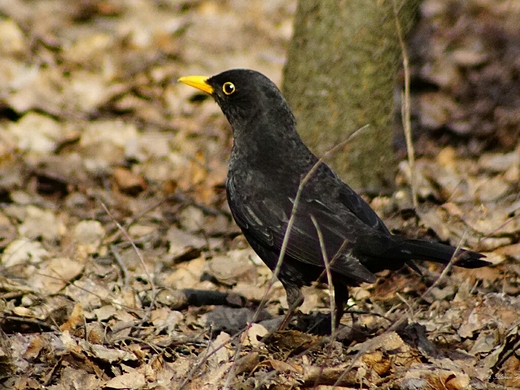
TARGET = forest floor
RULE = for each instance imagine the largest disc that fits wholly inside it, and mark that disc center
(120, 265)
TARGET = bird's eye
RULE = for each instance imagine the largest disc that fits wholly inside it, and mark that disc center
(228, 88)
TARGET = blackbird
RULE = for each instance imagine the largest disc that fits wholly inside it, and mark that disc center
(330, 221)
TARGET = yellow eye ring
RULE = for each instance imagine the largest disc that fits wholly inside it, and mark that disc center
(228, 88)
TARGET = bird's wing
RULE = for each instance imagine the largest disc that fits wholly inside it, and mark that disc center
(355, 203)
(267, 222)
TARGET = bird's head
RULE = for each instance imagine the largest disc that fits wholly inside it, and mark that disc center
(244, 96)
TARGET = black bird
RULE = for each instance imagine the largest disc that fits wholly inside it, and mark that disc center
(267, 165)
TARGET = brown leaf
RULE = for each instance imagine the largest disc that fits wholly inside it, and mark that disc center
(285, 367)
(76, 318)
(130, 380)
(128, 182)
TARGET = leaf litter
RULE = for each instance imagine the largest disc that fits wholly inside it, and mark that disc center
(92, 120)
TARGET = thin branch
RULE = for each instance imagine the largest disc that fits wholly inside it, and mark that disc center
(405, 108)
(122, 265)
(138, 253)
(329, 278)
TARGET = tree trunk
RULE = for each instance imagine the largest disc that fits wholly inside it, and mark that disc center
(340, 76)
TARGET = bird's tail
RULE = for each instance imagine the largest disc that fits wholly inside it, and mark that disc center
(426, 250)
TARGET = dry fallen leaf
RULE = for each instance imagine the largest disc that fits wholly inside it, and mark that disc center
(53, 275)
(130, 380)
(88, 236)
(23, 251)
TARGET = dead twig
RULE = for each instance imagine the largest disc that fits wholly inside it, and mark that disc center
(138, 253)
(405, 107)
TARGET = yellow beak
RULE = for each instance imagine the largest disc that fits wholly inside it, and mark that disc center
(198, 82)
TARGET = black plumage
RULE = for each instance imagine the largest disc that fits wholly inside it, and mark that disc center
(267, 164)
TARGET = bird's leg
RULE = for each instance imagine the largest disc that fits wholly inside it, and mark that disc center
(340, 299)
(294, 300)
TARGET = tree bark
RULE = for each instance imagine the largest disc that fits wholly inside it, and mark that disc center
(340, 75)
